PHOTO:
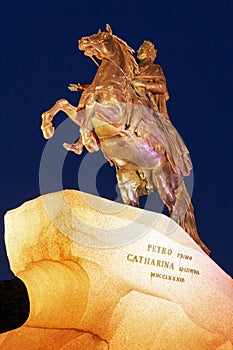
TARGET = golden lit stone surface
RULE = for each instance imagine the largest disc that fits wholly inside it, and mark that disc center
(159, 291)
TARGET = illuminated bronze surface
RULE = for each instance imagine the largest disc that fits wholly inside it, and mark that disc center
(123, 113)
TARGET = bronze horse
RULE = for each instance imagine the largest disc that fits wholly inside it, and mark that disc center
(145, 149)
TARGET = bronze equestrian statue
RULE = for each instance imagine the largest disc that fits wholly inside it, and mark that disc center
(123, 113)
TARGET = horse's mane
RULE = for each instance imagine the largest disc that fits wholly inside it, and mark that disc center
(128, 50)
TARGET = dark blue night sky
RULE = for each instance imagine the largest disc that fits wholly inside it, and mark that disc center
(39, 58)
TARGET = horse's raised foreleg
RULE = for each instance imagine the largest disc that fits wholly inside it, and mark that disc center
(61, 105)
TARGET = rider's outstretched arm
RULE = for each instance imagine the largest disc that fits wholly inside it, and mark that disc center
(78, 87)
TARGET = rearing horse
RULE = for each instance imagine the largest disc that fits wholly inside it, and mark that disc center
(145, 149)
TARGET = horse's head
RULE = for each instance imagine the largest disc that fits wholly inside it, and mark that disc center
(100, 45)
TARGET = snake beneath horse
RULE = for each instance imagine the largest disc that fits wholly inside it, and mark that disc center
(146, 150)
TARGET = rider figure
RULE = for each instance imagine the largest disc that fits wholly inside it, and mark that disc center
(150, 82)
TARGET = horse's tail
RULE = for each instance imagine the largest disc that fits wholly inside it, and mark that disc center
(187, 218)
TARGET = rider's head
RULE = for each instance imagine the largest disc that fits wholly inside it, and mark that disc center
(147, 51)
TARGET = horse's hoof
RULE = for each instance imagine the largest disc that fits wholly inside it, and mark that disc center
(72, 147)
(48, 132)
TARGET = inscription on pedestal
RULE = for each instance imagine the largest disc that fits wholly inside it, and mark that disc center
(164, 258)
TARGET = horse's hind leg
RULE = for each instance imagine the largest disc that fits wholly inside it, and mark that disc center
(128, 182)
(165, 182)
(61, 105)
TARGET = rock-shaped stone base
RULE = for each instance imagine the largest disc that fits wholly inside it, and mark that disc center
(102, 275)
